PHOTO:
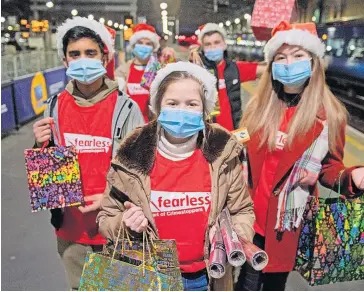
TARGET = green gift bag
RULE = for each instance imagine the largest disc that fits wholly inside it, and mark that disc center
(331, 244)
(133, 266)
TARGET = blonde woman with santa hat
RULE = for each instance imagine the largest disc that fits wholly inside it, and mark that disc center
(179, 158)
(91, 115)
(297, 131)
(144, 44)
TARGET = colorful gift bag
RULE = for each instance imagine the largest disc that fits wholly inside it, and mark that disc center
(267, 14)
(150, 72)
(331, 244)
(53, 177)
(132, 267)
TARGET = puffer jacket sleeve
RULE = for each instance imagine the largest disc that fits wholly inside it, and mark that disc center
(239, 202)
(110, 216)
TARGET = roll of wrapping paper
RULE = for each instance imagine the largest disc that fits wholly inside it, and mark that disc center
(234, 249)
(255, 257)
(217, 260)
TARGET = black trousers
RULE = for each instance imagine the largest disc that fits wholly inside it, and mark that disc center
(252, 280)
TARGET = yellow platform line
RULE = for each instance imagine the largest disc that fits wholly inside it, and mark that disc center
(354, 142)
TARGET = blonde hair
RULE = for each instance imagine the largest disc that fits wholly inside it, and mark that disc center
(265, 110)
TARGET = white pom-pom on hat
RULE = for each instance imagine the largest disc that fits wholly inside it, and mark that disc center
(206, 79)
(95, 26)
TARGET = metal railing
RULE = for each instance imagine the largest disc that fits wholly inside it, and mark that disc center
(21, 64)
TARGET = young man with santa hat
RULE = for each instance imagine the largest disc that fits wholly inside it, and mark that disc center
(92, 115)
(144, 43)
(229, 74)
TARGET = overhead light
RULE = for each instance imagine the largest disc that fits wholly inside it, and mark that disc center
(228, 23)
(170, 33)
(74, 12)
(328, 48)
(324, 37)
(2, 19)
(116, 25)
(247, 16)
(10, 27)
(313, 18)
(102, 20)
(50, 4)
(7, 35)
(6, 40)
(109, 23)
(164, 13)
(221, 24)
(125, 27)
(197, 32)
(237, 20)
(176, 37)
(121, 26)
(352, 47)
(163, 6)
(91, 17)
(166, 37)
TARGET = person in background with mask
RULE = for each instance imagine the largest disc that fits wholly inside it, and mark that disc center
(93, 116)
(297, 136)
(144, 42)
(229, 74)
(183, 167)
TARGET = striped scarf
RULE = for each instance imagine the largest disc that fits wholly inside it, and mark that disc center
(293, 196)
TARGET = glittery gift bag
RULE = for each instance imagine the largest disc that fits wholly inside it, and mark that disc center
(150, 72)
(331, 244)
(131, 266)
(53, 177)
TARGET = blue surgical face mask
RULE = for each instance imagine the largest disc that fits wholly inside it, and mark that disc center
(181, 123)
(143, 52)
(294, 74)
(86, 70)
(215, 55)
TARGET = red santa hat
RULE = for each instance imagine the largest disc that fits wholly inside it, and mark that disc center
(97, 27)
(110, 68)
(299, 34)
(146, 31)
(210, 27)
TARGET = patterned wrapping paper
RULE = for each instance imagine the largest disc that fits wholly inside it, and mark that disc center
(255, 257)
(53, 178)
(267, 14)
(125, 271)
(331, 245)
(234, 249)
(150, 72)
(217, 260)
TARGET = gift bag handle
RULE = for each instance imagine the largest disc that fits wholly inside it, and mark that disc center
(55, 134)
(145, 242)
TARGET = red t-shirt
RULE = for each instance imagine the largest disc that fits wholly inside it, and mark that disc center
(137, 93)
(264, 189)
(247, 72)
(81, 127)
(180, 202)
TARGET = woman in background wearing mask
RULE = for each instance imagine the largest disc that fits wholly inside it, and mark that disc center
(144, 42)
(229, 74)
(177, 173)
(91, 115)
(297, 130)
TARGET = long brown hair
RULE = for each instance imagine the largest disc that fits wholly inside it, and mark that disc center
(265, 110)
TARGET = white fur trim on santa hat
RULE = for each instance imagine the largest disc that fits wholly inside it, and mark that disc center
(206, 78)
(209, 27)
(145, 34)
(97, 27)
(296, 37)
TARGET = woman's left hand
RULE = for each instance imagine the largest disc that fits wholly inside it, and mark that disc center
(358, 177)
